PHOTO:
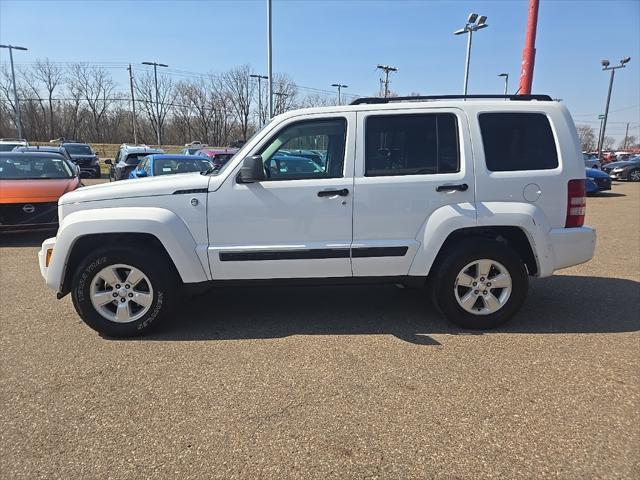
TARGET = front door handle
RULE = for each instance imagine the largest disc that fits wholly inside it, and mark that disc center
(332, 193)
(463, 187)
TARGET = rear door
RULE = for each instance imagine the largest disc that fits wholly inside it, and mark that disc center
(409, 164)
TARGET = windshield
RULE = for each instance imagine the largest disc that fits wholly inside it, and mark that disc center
(169, 166)
(78, 149)
(7, 147)
(26, 167)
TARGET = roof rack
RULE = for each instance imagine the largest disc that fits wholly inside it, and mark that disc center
(379, 100)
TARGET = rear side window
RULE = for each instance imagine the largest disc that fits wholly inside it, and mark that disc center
(518, 141)
(411, 144)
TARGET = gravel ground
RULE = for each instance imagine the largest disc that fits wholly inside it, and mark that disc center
(331, 382)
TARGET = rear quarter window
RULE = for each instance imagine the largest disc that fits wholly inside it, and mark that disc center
(518, 141)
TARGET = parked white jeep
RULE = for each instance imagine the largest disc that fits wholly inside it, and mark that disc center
(466, 197)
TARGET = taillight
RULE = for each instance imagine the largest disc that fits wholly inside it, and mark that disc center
(576, 203)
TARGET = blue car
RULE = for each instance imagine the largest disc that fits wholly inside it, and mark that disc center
(597, 181)
(165, 164)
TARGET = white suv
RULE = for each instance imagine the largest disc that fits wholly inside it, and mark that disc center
(467, 197)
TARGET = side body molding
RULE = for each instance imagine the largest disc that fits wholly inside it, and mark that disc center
(165, 225)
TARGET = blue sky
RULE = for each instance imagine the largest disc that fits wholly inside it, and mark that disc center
(323, 42)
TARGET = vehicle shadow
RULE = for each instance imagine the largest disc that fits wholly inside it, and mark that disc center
(25, 239)
(607, 194)
(560, 304)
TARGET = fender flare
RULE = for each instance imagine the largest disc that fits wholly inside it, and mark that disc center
(449, 218)
(163, 224)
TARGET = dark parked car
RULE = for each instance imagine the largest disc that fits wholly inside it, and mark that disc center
(127, 160)
(38, 148)
(625, 170)
(83, 156)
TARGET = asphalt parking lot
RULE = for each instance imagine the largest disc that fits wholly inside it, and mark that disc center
(331, 382)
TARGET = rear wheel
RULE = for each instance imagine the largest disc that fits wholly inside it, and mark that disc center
(479, 283)
(123, 292)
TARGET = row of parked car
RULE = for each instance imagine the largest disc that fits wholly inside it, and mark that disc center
(599, 175)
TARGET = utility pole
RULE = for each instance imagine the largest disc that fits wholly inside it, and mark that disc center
(386, 69)
(529, 51)
(340, 87)
(605, 66)
(269, 60)
(260, 78)
(280, 106)
(15, 90)
(133, 106)
(155, 78)
(626, 135)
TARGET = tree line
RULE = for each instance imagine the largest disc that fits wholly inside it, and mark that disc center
(589, 140)
(83, 102)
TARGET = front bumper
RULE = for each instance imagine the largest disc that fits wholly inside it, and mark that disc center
(47, 245)
(572, 246)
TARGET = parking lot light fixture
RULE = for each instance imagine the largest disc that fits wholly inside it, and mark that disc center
(606, 65)
(155, 78)
(15, 90)
(474, 23)
(506, 82)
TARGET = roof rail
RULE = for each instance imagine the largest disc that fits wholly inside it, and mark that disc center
(379, 100)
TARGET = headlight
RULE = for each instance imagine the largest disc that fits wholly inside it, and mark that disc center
(618, 169)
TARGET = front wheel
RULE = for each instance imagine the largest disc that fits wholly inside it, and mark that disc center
(479, 284)
(634, 175)
(123, 292)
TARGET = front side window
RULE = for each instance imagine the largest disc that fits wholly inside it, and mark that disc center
(412, 144)
(518, 141)
(310, 149)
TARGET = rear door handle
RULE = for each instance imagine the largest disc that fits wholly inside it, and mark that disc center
(463, 187)
(332, 193)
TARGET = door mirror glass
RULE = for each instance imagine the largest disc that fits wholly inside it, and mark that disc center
(252, 170)
(108, 162)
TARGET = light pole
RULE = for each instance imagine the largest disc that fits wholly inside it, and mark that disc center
(605, 66)
(340, 87)
(260, 78)
(474, 23)
(269, 60)
(15, 90)
(155, 78)
(506, 82)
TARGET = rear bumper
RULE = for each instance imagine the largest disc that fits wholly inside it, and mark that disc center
(571, 246)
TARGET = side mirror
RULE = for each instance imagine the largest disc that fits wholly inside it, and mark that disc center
(252, 170)
(108, 161)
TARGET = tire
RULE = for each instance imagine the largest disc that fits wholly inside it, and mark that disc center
(156, 292)
(98, 174)
(634, 175)
(449, 294)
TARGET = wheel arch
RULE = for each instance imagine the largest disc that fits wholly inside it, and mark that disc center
(148, 227)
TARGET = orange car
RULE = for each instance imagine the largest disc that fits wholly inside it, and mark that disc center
(30, 186)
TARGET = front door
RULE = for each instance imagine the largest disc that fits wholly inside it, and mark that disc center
(298, 222)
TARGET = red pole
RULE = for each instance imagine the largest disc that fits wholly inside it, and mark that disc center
(529, 52)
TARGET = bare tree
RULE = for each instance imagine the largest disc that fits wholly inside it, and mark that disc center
(607, 143)
(96, 87)
(317, 100)
(587, 137)
(50, 76)
(240, 90)
(146, 93)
